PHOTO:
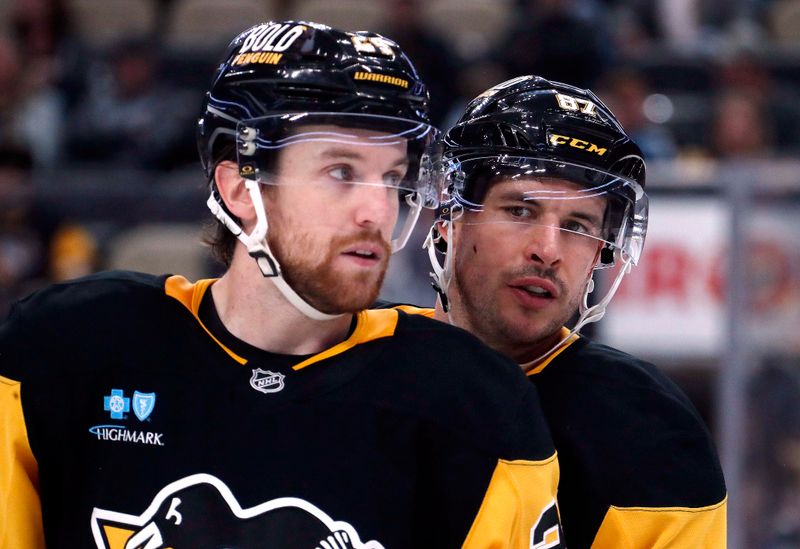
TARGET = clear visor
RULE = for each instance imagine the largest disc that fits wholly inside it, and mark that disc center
(338, 149)
(376, 162)
(589, 208)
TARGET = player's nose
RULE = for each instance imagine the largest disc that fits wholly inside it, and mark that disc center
(544, 244)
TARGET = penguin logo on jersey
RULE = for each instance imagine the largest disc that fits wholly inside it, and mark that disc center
(200, 512)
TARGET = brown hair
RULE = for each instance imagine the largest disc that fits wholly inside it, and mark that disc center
(215, 234)
(221, 241)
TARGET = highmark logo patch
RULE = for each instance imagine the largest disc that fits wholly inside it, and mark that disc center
(117, 405)
(120, 433)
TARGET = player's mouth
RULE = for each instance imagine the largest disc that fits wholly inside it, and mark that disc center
(364, 253)
(534, 292)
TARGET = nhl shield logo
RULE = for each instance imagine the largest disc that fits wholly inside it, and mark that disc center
(143, 404)
(266, 381)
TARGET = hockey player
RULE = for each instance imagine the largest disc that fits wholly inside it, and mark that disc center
(268, 408)
(541, 188)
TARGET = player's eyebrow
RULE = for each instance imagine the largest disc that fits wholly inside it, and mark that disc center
(512, 195)
(343, 153)
(593, 220)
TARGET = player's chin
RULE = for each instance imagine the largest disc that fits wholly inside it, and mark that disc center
(346, 306)
(351, 296)
(525, 321)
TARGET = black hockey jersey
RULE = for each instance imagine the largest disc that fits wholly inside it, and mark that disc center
(132, 418)
(638, 467)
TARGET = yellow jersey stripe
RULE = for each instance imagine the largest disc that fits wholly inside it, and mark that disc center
(412, 310)
(20, 508)
(190, 295)
(659, 528)
(564, 332)
(519, 506)
(371, 324)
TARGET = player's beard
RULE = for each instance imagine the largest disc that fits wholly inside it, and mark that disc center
(308, 267)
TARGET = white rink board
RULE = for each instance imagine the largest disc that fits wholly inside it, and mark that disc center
(674, 302)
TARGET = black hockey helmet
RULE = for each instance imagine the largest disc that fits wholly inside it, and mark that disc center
(544, 142)
(533, 117)
(285, 84)
(533, 126)
(300, 67)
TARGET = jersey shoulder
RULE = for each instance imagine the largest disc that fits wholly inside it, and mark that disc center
(471, 388)
(586, 364)
(93, 310)
(619, 416)
(453, 348)
(104, 292)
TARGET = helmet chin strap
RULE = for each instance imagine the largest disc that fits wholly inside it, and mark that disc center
(257, 247)
(442, 274)
(587, 314)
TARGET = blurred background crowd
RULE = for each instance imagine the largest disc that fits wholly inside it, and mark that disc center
(98, 170)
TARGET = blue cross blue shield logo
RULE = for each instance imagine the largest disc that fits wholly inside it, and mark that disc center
(116, 403)
(143, 404)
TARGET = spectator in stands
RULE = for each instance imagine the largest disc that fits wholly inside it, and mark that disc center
(31, 109)
(36, 247)
(40, 26)
(554, 39)
(625, 92)
(774, 455)
(740, 128)
(749, 74)
(131, 117)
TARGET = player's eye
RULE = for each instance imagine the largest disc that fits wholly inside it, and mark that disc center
(580, 227)
(393, 179)
(341, 173)
(518, 213)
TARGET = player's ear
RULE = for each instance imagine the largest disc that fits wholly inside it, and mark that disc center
(233, 191)
(440, 232)
(443, 229)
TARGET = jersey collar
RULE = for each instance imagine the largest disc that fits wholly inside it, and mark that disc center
(371, 324)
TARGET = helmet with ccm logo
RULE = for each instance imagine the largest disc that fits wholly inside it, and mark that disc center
(530, 124)
(535, 117)
(530, 128)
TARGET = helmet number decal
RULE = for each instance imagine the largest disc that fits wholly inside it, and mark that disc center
(569, 103)
(372, 45)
